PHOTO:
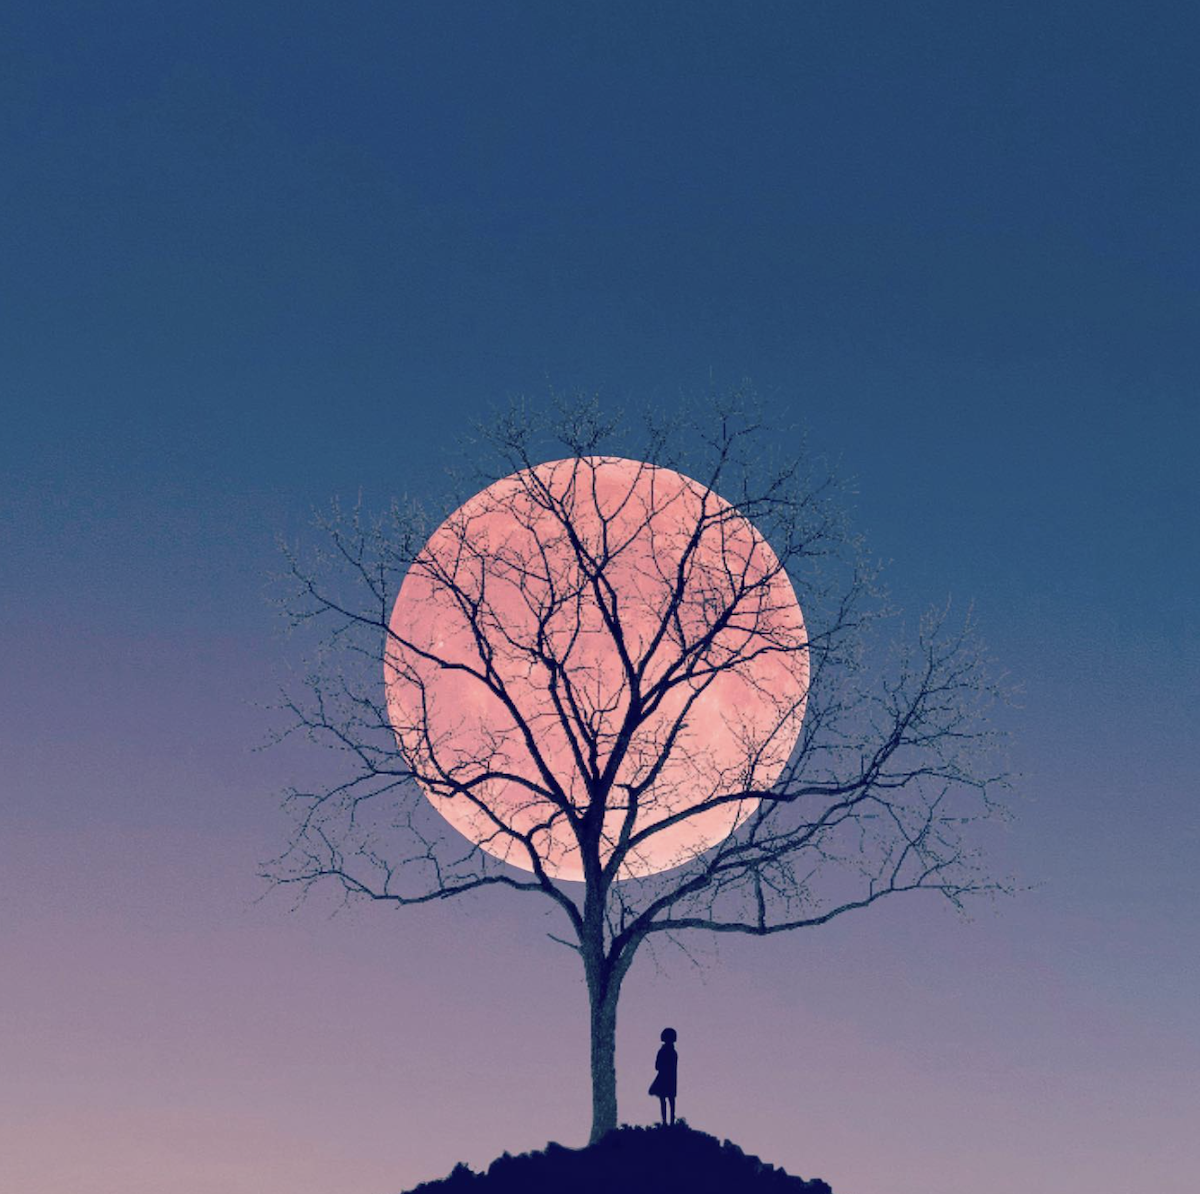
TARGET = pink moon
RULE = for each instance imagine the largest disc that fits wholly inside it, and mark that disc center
(506, 555)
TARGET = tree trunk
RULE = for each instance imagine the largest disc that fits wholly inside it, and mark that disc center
(603, 998)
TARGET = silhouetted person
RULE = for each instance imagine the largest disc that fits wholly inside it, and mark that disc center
(666, 1063)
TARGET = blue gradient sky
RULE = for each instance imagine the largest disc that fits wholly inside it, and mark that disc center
(253, 259)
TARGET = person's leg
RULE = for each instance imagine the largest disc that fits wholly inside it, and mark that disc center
(662, 1106)
(671, 1098)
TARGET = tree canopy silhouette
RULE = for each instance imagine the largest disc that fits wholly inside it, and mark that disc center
(633, 676)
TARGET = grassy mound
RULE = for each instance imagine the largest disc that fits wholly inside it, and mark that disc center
(674, 1160)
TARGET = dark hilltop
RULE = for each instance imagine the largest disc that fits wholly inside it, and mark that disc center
(630, 1160)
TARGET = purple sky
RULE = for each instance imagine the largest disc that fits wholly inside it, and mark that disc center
(254, 261)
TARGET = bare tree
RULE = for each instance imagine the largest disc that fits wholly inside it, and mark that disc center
(597, 672)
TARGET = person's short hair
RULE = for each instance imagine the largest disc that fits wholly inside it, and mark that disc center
(669, 1035)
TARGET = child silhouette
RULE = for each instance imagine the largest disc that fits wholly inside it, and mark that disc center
(666, 1063)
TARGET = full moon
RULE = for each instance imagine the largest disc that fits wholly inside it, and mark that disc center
(518, 627)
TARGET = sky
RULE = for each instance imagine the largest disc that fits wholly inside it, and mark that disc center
(256, 256)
